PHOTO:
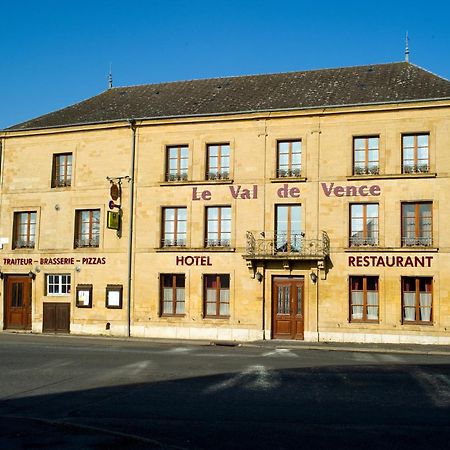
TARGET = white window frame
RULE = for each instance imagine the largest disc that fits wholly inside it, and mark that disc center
(59, 284)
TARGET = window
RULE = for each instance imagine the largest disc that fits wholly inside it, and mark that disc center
(174, 227)
(62, 170)
(24, 229)
(87, 228)
(289, 159)
(218, 162)
(417, 224)
(417, 299)
(58, 284)
(288, 231)
(172, 294)
(366, 155)
(217, 295)
(363, 224)
(416, 157)
(177, 163)
(218, 226)
(364, 299)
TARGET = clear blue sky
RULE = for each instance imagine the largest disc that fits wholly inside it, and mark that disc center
(56, 53)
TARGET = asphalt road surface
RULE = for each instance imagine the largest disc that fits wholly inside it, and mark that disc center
(90, 393)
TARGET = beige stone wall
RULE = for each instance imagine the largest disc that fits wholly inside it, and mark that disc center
(327, 139)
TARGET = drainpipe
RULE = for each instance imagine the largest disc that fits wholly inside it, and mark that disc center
(264, 229)
(319, 132)
(132, 123)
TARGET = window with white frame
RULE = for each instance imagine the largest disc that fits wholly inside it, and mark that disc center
(58, 284)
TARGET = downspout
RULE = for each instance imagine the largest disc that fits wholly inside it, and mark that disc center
(318, 225)
(132, 123)
(264, 229)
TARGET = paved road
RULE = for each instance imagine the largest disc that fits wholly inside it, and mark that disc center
(88, 393)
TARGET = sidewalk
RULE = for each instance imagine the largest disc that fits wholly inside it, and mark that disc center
(418, 349)
(442, 350)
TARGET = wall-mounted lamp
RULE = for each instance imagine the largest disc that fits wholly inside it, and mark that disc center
(78, 268)
(259, 276)
(31, 275)
(313, 277)
(37, 269)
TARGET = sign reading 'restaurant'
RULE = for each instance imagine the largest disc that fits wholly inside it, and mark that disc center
(390, 261)
(350, 191)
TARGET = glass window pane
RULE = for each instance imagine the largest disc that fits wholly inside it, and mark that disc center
(283, 159)
(422, 140)
(359, 143)
(283, 147)
(408, 154)
(373, 155)
(226, 213)
(169, 214)
(408, 141)
(373, 143)
(213, 213)
(296, 147)
(357, 225)
(372, 210)
(213, 150)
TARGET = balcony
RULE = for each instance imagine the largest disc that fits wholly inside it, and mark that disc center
(270, 245)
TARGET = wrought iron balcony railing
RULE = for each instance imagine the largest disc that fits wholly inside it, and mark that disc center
(358, 241)
(372, 169)
(176, 176)
(416, 168)
(218, 175)
(267, 244)
(62, 182)
(417, 241)
(179, 242)
(22, 243)
(217, 243)
(294, 172)
(87, 242)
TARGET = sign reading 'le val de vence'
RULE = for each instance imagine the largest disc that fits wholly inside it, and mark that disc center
(329, 189)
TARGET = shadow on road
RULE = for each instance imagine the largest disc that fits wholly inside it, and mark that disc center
(346, 407)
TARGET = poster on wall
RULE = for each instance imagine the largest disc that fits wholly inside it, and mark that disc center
(114, 296)
(84, 296)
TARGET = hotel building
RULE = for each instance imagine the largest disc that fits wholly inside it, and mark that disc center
(306, 205)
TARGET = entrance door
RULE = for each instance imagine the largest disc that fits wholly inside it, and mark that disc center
(18, 302)
(288, 320)
(56, 318)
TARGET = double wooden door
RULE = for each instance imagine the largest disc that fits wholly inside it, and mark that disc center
(17, 302)
(287, 308)
(56, 318)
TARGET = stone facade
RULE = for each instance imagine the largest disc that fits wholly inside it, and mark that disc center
(324, 190)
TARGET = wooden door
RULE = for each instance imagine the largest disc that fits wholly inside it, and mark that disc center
(287, 308)
(18, 302)
(56, 318)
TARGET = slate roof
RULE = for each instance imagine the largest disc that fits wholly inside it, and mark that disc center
(374, 84)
